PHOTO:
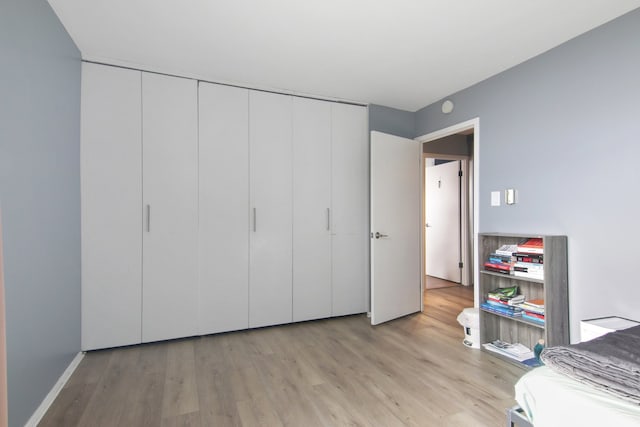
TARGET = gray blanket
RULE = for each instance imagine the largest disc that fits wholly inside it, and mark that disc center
(610, 363)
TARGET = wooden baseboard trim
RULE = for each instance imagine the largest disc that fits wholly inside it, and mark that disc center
(57, 387)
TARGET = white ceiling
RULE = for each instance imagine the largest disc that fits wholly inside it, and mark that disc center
(399, 53)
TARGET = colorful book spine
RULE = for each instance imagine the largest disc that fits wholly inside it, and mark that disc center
(532, 258)
(533, 319)
(503, 306)
(500, 258)
(501, 310)
(533, 314)
(531, 246)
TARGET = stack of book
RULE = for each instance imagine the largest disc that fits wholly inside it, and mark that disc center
(501, 261)
(516, 351)
(529, 259)
(504, 301)
(533, 310)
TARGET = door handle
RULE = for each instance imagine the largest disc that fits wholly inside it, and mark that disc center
(427, 225)
(328, 219)
(255, 220)
(380, 235)
(148, 218)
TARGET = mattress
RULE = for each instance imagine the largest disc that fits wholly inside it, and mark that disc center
(551, 399)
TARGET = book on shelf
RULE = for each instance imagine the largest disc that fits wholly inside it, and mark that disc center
(504, 310)
(533, 314)
(515, 300)
(532, 319)
(507, 292)
(536, 302)
(500, 265)
(494, 257)
(527, 267)
(533, 258)
(533, 245)
(515, 351)
(503, 305)
(529, 309)
(497, 267)
(533, 308)
(507, 250)
(529, 275)
(497, 270)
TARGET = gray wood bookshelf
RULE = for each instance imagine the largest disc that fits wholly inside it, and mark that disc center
(553, 289)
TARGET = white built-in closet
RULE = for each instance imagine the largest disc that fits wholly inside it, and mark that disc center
(209, 208)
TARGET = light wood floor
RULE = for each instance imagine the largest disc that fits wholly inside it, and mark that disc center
(337, 372)
(431, 282)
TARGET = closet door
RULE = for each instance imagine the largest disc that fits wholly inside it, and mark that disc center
(111, 197)
(350, 184)
(170, 182)
(271, 209)
(224, 208)
(311, 209)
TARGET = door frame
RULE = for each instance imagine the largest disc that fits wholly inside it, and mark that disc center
(3, 347)
(451, 130)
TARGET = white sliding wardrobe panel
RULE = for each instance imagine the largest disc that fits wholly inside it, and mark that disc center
(311, 209)
(170, 184)
(350, 194)
(111, 197)
(224, 208)
(271, 209)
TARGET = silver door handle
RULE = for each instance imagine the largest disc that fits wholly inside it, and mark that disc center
(328, 219)
(148, 218)
(427, 225)
(380, 235)
(255, 220)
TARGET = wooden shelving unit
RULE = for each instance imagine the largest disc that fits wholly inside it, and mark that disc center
(553, 289)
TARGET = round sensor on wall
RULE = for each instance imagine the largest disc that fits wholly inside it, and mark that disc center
(447, 106)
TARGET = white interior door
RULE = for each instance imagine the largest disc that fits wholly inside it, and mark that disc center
(170, 196)
(111, 198)
(223, 208)
(350, 209)
(395, 227)
(270, 188)
(311, 209)
(442, 218)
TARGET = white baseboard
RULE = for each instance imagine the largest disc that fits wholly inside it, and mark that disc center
(57, 387)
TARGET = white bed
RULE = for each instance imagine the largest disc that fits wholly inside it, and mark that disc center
(551, 399)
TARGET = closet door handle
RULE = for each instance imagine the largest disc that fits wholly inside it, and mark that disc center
(148, 218)
(255, 220)
(328, 219)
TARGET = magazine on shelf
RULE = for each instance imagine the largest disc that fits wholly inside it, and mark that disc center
(516, 351)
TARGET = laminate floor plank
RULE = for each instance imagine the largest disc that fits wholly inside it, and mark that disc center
(412, 371)
(180, 389)
(259, 412)
(69, 407)
(111, 397)
(147, 396)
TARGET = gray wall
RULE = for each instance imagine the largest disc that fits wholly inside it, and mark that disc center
(564, 130)
(391, 121)
(40, 199)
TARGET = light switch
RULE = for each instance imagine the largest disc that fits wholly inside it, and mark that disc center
(495, 198)
(510, 196)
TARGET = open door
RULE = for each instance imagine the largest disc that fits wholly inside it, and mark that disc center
(443, 221)
(396, 283)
